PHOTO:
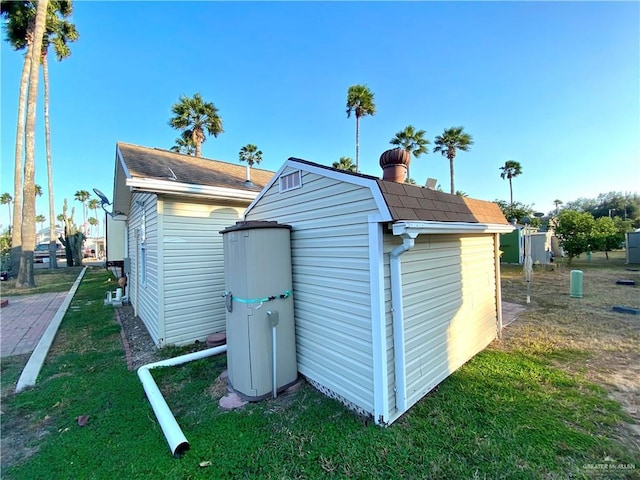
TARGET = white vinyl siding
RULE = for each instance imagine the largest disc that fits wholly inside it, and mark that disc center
(144, 295)
(330, 263)
(193, 264)
(449, 308)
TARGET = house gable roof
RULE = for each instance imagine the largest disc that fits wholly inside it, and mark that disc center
(156, 164)
(404, 202)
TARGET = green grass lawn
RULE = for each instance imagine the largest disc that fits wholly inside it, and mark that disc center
(59, 280)
(511, 413)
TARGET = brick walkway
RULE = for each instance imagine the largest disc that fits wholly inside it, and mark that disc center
(25, 319)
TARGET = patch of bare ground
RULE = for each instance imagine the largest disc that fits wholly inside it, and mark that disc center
(140, 348)
(582, 335)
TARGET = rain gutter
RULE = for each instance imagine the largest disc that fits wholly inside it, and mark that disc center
(172, 187)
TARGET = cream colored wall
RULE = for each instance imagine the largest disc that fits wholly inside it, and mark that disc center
(144, 297)
(330, 263)
(449, 308)
(193, 267)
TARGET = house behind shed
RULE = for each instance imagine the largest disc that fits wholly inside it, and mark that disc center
(395, 286)
(173, 207)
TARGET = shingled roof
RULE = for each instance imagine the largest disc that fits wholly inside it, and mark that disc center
(145, 162)
(414, 203)
(408, 202)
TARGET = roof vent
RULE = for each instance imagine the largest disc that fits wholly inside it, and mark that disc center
(394, 164)
(248, 182)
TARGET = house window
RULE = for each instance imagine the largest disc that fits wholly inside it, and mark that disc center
(290, 181)
(143, 264)
(142, 250)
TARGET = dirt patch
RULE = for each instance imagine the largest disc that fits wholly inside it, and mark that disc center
(556, 324)
(138, 344)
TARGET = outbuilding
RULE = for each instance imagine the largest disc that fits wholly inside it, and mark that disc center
(633, 247)
(395, 286)
(173, 207)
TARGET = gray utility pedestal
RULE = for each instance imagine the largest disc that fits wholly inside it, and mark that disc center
(259, 298)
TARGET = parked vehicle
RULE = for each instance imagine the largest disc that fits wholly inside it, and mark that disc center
(42, 251)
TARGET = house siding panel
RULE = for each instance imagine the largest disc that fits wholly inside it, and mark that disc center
(144, 296)
(449, 308)
(330, 263)
(194, 268)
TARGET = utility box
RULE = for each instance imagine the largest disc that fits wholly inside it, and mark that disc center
(259, 301)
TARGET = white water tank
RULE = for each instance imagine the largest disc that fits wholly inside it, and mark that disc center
(259, 299)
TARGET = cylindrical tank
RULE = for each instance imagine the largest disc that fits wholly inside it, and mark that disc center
(258, 282)
(575, 284)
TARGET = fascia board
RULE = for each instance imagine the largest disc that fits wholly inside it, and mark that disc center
(161, 186)
(430, 227)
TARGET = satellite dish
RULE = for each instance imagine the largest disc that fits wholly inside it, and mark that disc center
(103, 197)
(538, 214)
(431, 183)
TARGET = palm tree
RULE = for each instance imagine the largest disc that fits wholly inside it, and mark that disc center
(93, 204)
(6, 199)
(557, 203)
(82, 196)
(38, 190)
(40, 219)
(510, 170)
(345, 163)
(184, 144)
(360, 103)
(198, 116)
(25, 273)
(452, 140)
(412, 141)
(16, 22)
(250, 154)
(93, 222)
(20, 33)
(59, 33)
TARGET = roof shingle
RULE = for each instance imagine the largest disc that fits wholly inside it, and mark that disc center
(411, 202)
(154, 163)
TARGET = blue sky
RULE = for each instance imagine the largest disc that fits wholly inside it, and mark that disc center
(554, 86)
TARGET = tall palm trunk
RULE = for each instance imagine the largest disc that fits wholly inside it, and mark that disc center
(16, 226)
(510, 191)
(198, 137)
(451, 157)
(25, 274)
(53, 262)
(357, 143)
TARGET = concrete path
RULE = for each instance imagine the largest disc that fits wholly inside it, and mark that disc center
(510, 312)
(24, 320)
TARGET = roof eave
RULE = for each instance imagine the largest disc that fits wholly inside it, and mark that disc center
(415, 228)
(171, 187)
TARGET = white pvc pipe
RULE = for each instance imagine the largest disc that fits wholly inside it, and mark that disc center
(275, 363)
(398, 322)
(172, 432)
